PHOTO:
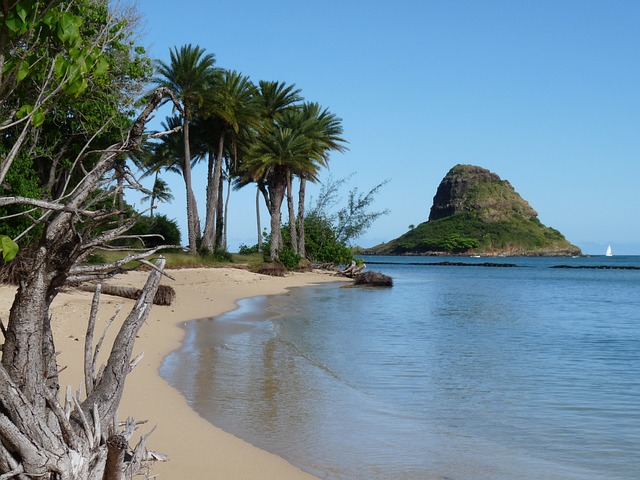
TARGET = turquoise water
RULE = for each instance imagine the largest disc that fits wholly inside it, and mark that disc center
(454, 373)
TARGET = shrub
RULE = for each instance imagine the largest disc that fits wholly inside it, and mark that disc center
(246, 250)
(289, 258)
(168, 231)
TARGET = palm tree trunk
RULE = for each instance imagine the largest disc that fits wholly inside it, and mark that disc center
(209, 223)
(226, 213)
(292, 215)
(277, 189)
(220, 215)
(193, 222)
(301, 195)
(258, 219)
(212, 207)
(153, 195)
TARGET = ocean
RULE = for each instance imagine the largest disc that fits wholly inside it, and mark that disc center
(456, 372)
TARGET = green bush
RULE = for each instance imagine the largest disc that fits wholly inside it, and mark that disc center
(158, 225)
(246, 250)
(321, 243)
(289, 258)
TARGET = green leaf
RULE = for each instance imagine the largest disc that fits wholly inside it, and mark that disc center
(24, 111)
(22, 13)
(8, 66)
(100, 67)
(69, 28)
(49, 18)
(38, 117)
(23, 71)
(60, 66)
(9, 248)
(13, 22)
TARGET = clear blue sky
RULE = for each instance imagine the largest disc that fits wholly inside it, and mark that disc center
(546, 94)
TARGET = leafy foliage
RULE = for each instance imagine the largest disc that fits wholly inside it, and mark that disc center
(463, 232)
(322, 244)
(165, 231)
(289, 258)
(247, 250)
(21, 180)
(329, 230)
(8, 247)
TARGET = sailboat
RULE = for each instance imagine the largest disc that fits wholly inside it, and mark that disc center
(609, 253)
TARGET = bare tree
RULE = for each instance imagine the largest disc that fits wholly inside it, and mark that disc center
(39, 436)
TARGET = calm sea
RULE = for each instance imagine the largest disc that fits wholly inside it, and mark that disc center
(457, 372)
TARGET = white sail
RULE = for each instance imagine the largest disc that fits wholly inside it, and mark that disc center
(609, 253)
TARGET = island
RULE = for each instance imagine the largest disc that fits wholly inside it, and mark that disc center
(475, 212)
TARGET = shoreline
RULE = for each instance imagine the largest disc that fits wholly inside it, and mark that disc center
(195, 447)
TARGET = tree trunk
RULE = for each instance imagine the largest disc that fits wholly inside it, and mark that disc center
(209, 223)
(116, 448)
(193, 221)
(153, 195)
(277, 187)
(258, 219)
(215, 197)
(38, 437)
(164, 296)
(292, 215)
(226, 213)
(220, 217)
(301, 199)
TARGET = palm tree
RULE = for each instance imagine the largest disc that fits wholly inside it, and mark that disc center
(273, 157)
(324, 130)
(274, 99)
(232, 105)
(189, 74)
(167, 154)
(160, 193)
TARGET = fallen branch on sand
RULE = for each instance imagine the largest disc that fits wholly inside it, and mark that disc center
(164, 296)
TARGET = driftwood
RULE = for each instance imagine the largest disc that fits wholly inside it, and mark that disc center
(164, 296)
(353, 270)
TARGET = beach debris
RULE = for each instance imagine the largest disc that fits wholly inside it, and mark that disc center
(374, 279)
(164, 296)
(353, 270)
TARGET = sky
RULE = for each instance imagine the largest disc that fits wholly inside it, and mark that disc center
(545, 94)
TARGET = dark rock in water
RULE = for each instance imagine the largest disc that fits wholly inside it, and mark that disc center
(447, 264)
(483, 264)
(599, 267)
(375, 279)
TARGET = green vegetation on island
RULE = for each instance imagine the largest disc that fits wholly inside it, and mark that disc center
(475, 212)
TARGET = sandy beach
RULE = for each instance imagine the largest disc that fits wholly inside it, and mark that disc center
(196, 449)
